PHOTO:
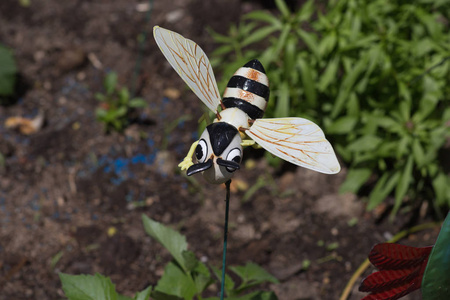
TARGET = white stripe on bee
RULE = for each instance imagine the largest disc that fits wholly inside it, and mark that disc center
(251, 98)
(253, 74)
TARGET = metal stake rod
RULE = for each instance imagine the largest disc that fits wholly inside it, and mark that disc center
(225, 234)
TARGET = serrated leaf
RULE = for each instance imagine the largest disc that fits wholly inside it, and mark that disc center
(157, 295)
(253, 273)
(229, 283)
(176, 282)
(355, 179)
(258, 295)
(88, 287)
(202, 277)
(190, 261)
(143, 295)
(173, 241)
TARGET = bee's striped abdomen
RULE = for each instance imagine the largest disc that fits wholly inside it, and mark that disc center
(248, 90)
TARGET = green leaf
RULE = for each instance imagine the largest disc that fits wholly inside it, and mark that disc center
(342, 125)
(110, 82)
(441, 186)
(252, 274)
(229, 283)
(402, 186)
(100, 97)
(355, 179)
(282, 106)
(282, 7)
(382, 189)
(265, 17)
(418, 153)
(137, 102)
(437, 273)
(202, 277)
(258, 35)
(310, 40)
(157, 295)
(365, 143)
(222, 50)
(327, 43)
(8, 70)
(258, 295)
(173, 241)
(176, 282)
(124, 95)
(190, 261)
(348, 82)
(143, 295)
(88, 287)
(219, 38)
(7, 62)
(308, 81)
(306, 11)
(330, 74)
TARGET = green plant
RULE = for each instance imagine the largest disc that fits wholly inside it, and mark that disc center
(8, 73)
(115, 104)
(184, 278)
(374, 74)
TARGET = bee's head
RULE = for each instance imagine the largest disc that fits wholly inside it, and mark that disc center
(218, 153)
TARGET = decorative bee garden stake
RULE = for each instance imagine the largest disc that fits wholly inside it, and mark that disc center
(218, 152)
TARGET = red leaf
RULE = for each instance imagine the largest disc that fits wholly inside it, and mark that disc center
(394, 293)
(387, 279)
(394, 256)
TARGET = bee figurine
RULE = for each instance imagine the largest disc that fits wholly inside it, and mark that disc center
(239, 123)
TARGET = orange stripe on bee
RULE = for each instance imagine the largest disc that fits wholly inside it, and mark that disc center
(253, 74)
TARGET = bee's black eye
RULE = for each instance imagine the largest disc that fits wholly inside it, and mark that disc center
(201, 151)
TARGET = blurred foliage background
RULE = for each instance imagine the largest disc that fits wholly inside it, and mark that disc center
(375, 75)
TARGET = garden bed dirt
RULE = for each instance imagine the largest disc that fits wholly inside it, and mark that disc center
(71, 196)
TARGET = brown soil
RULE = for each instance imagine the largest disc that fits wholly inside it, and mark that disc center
(65, 187)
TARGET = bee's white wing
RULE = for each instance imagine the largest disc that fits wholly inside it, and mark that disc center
(296, 140)
(191, 63)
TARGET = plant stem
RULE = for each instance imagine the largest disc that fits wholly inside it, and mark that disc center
(225, 234)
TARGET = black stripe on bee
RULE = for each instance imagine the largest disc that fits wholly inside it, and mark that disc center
(249, 85)
(251, 110)
(255, 64)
